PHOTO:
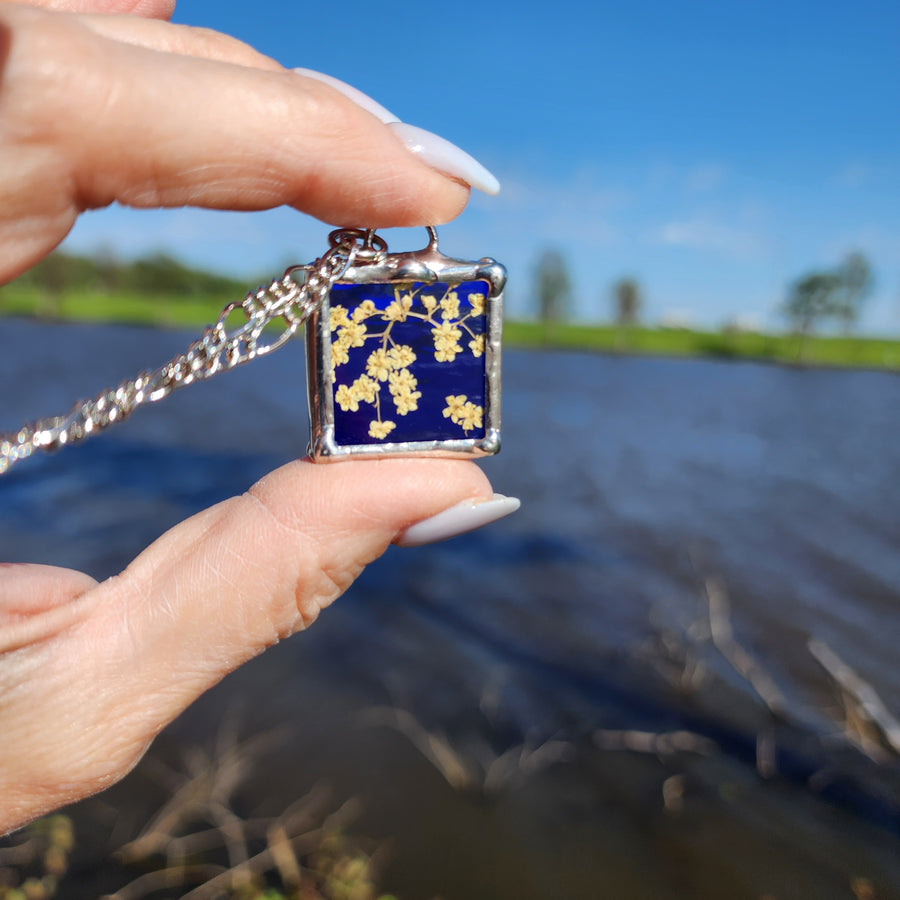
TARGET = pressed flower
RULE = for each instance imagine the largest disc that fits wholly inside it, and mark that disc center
(450, 306)
(470, 417)
(365, 389)
(345, 398)
(378, 365)
(401, 356)
(402, 380)
(353, 334)
(337, 317)
(446, 336)
(398, 310)
(383, 345)
(406, 400)
(364, 310)
(454, 405)
(476, 301)
(380, 430)
(339, 354)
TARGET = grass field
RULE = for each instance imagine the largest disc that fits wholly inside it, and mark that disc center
(849, 351)
(162, 312)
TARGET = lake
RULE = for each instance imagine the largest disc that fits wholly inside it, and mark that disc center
(628, 672)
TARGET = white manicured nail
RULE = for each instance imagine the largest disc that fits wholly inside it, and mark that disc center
(434, 151)
(465, 516)
(358, 97)
(440, 154)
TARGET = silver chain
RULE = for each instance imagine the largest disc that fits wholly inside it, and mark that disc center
(287, 301)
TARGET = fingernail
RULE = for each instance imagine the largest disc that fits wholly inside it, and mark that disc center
(440, 154)
(434, 151)
(465, 516)
(357, 96)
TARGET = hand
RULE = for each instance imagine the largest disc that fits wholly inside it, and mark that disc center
(99, 109)
(102, 108)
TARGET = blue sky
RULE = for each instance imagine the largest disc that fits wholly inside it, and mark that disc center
(713, 150)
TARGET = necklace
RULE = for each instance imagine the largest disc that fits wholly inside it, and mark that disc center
(403, 355)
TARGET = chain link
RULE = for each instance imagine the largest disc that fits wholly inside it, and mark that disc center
(289, 301)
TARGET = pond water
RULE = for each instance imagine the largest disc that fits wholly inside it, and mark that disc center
(687, 529)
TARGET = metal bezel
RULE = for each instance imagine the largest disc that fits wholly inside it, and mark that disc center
(429, 266)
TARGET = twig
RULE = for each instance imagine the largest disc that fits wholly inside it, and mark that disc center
(283, 856)
(265, 859)
(522, 761)
(740, 660)
(434, 747)
(232, 828)
(657, 744)
(152, 882)
(214, 780)
(866, 705)
(673, 794)
(490, 774)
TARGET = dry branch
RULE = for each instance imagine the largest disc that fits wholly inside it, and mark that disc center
(434, 747)
(657, 744)
(740, 659)
(160, 880)
(866, 713)
(490, 774)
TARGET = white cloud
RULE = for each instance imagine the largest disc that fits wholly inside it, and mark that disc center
(854, 175)
(709, 235)
(580, 208)
(706, 177)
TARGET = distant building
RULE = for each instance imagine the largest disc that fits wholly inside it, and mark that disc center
(675, 319)
(744, 323)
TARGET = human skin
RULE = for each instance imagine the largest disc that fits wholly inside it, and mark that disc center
(105, 101)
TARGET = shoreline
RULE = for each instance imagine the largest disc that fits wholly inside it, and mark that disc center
(856, 353)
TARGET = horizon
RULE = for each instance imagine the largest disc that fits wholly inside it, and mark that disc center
(825, 325)
(714, 154)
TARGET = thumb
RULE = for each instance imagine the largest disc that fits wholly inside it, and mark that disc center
(252, 570)
(210, 594)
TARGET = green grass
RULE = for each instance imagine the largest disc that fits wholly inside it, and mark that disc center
(133, 309)
(194, 313)
(857, 352)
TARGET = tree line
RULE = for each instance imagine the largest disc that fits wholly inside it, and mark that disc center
(836, 294)
(155, 275)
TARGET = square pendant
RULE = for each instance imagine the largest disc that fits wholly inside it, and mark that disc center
(403, 359)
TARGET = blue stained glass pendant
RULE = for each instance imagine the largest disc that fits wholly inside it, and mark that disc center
(404, 357)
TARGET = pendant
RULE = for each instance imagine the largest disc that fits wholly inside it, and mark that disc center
(403, 357)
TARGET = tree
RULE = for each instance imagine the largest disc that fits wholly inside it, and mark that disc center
(812, 299)
(627, 302)
(837, 294)
(626, 311)
(107, 270)
(856, 285)
(554, 287)
(54, 275)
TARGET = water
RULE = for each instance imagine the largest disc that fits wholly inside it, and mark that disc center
(646, 485)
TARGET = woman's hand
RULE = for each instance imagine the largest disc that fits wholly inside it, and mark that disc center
(96, 109)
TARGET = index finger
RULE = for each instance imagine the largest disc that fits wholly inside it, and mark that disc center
(150, 9)
(149, 128)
